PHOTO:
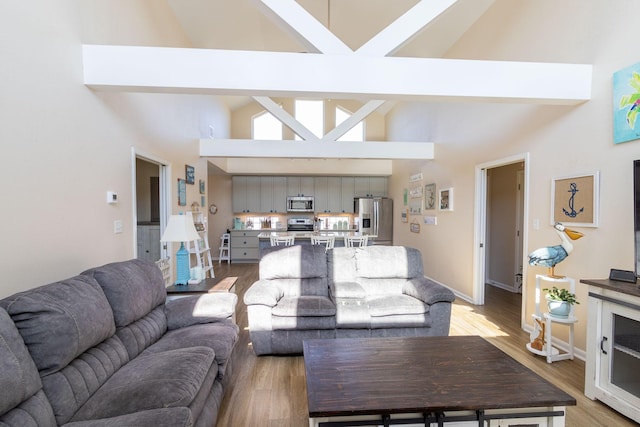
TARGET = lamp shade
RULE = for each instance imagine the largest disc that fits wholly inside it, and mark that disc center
(180, 229)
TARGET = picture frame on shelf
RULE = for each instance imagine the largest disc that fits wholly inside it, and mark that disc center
(430, 196)
(182, 192)
(190, 174)
(445, 199)
(575, 199)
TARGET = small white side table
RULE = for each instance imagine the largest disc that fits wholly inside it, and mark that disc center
(553, 354)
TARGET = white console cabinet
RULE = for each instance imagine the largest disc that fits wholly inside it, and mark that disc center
(612, 372)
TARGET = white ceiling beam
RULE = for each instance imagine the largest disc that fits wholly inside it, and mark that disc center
(316, 149)
(405, 28)
(353, 120)
(231, 72)
(287, 119)
(303, 26)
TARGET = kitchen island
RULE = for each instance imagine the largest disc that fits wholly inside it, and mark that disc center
(304, 237)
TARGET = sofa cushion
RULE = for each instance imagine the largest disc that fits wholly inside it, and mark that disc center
(19, 379)
(133, 288)
(34, 411)
(304, 306)
(388, 262)
(347, 290)
(293, 262)
(392, 305)
(156, 380)
(221, 337)
(74, 310)
(341, 265)
(207, 308)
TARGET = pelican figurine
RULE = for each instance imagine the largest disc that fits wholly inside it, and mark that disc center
(552, 255)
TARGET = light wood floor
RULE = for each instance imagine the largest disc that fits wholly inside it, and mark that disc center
(270, 391)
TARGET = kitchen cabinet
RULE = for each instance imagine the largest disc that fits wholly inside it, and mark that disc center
(300, 186)
(347, 194)
(273, 194)
(328, 194)
(246, 194)
(280, 194)
(245, 245)
(366, 186)
(612, 370)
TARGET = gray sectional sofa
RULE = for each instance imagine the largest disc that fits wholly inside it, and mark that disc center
(304, 292)
(104, 349)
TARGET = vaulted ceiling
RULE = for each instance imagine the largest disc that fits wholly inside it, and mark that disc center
(373, 51)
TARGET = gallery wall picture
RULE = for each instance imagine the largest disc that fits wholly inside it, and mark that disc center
(445, 199)
(182, 192)
(626, 104)
(575, 200)
(430, 196)
(190, 174)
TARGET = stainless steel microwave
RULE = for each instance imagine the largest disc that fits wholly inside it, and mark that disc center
(299, 204)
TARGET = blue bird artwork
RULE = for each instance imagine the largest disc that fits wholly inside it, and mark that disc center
(550, 256)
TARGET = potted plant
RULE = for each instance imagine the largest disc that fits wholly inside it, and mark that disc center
(559, 301)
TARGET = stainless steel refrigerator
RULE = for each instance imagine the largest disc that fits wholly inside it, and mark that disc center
(375, 216)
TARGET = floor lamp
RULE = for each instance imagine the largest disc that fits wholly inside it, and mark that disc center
(181, 229)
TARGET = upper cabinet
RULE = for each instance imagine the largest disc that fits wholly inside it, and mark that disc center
(348, 193)
(246, 193)
(370, 186)
(333, 194)
(328, 194)
(300, 186)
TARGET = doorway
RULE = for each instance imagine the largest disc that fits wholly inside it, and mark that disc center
(500, 234)
(151, 207)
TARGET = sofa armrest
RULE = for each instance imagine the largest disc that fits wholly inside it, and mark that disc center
(196, 309)
(347, 290)
(427, 291)
(263, 292)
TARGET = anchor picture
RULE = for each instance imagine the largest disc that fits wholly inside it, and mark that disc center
(573, 189)
(575, 200)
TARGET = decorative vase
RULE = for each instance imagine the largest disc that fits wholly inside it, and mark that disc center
(558, 308)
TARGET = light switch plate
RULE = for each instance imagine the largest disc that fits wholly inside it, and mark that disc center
(117, 226)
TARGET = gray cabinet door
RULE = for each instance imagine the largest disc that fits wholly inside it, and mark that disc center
(347, 194)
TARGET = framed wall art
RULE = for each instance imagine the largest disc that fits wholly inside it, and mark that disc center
(430, 196)
(182, 192)
(626, 94)
(445, 199)
(575, 200)
(201, 186)
(190, 174)
(404, 215)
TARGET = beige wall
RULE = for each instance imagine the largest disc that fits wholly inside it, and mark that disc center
(64, 146)
(561, 141)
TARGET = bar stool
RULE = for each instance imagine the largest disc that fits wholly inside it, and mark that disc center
(282, 240)
(327, 241)
(225, 254)
(355, 241)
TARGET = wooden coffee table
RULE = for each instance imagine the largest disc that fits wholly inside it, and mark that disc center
(417, 381)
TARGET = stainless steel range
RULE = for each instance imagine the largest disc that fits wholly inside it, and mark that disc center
(299, 224)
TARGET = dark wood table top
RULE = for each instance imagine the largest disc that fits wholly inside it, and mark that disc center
(205, 286)
(405, 375)
(614, 285)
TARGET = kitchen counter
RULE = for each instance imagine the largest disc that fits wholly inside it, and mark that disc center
(307, 234)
